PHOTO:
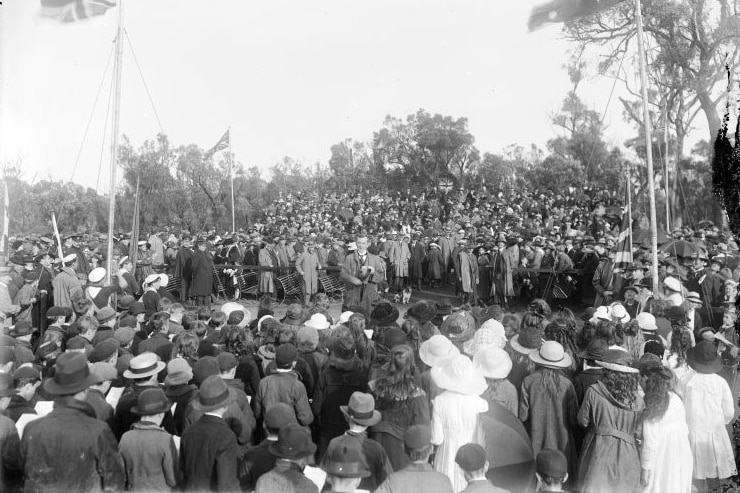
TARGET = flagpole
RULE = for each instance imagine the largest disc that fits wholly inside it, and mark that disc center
(648, 147)
(629, 213)
(231, 177)
(117, 69)
(665, 171)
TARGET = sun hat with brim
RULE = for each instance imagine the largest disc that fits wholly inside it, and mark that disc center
(457, 374)
(96, 275)
(151, 279)
(694, 297)
(596, 350)
(704, 358)
(619, 314)
(673, 284)
(151, 401)
(617, 360)
(493, 362)
(361, 409)
(526, 341)
(318, 321)
(435, 349)
(650, 363)
(458, 327)
(491, 333)
(551, 355)
(646, 321)
(602, 312)
(144, 365)
(213, 394)
(231, 310)
(71, 375)
(294, 442)
(343, 459)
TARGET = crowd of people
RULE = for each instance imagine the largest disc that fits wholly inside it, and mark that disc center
(551, 368)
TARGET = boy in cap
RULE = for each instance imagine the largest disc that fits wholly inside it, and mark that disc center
(292, 449)
(552, 470)
(68, 449)
(148, 451)
(259, 460)
(471, 458)
(208, 458)
(345, 468)
(419, 475)
(104, 374)
(25, 380)
(284, 386)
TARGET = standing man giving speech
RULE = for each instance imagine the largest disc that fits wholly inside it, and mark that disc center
(362, 271)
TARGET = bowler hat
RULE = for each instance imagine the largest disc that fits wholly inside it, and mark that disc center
(345, 460)
(361, 409)
(213, 394)
(71, 375)
(151, 401)
(294, 442)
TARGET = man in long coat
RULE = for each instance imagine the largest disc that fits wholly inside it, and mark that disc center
(436, 264)
(446, 245)
(416, 262)
(362, 271)
(267, 259)
(307, 264)
(184, 270)
(467, 275)
(400, 256)
(67, 286)
(202, 284)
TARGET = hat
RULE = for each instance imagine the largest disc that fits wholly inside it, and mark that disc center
(294, 442)
(595, 351)
(206, 366)
(343, 349)
(422, 311)
(394, 337)
(307, 336)
(384, 314)
(71, 375)
(703, 358)
(104, 350)
(693, 297)
(491, 333)
(150, 279)
(345, 459)
(551, 355)
(144, 365)
(619, 314)
(136, 308)
(69, 258)
(471, 457)
(7, 387)
(124, 335)
(178, 372)
(654, 347)
(59, 311)
(21, 328)
(617, 360)
(672, 284)
(293, 314)
(344, 317)
(528, 340)
(151, 401)
(285, 355)
(232, 308)
(458, 374)
(551, 463)
(213, 394)
(77, 342)
(417, 437)
(458, 327)
(226, 361)
(646, 321)
(493, 362)
(318, 321)
(279, 415)
(124, 302)
(634, 289)
(652, 363)
(103, 372)
(82, 305)
(26, 372)
(436, 349)
(105, 314)
(97, 274)
(361, 409)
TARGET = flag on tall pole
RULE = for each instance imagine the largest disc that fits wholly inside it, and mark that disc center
(623, 249)
(566, 11)
(74, 10)
(56, 235)
(223, 143)
(133, 247)
(6, 219)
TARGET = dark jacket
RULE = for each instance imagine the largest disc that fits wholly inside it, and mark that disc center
(249, 373)
(10, 460)
(180, 396)
(375, 456)
(18, 406)
(242, 425)
(283, 387)
(208, 456)
(202, 274)
(70, 431)
(124, 418)
(257, 461)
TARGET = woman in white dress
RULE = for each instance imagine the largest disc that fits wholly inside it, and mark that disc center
(666, 454)
(709, 407)
(455, 413)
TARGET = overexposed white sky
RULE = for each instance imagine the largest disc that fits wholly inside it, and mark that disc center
(292, 78)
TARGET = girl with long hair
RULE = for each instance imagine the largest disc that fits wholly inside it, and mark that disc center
(186, 347)
(563, 331)
(401, 402)
(365, 347)
(610, 461)
(680, 341)
(666, 454)
(239, 342)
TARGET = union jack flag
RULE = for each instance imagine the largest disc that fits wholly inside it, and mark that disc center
(222, 144)
(623, 248)
(74, 10)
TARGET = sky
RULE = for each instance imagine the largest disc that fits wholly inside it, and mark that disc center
(291, 78)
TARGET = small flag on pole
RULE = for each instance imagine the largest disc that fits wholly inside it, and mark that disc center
(566, 11)
(6, 219)
(74, 10)
(223, 143)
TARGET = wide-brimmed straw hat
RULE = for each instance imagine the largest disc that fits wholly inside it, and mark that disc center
(458, 327)
(551, 355)
(458, 374)
(491, 333)
(704, 358)
(144, 365)
(436, 349)
(646, 321)
(617, 360)
(493, 362)
(526, 341)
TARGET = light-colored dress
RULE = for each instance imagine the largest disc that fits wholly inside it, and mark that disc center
(709, 407)
(455, 423)
(666, 451)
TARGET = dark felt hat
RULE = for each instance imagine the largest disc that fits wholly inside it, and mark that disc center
(384, 314)
(596, 350)
(285, 355)
(422, 311)
(345, 459)
(151, 401)
(71, 375)
(213, 394)
(704, 358)
(280, 415)
(104, 350)
(294, 442)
